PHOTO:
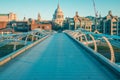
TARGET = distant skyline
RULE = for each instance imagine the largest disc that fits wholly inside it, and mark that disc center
(46, 8)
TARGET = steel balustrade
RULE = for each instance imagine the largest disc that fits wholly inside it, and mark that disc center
(79, 36)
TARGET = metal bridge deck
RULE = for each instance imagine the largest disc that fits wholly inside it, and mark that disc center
(56, 58)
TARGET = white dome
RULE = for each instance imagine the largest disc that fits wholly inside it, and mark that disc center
(58, 16)
(58, 10)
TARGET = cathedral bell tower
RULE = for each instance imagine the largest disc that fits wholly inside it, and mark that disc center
(39, 17)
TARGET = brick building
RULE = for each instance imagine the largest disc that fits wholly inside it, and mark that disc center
(3, 24)
(45, 25)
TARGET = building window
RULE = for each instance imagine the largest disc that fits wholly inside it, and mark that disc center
(89, 27)
(38, 26)
(114, 31)
(43, 27)
(59, 16)
(114, 22)
(114, 26)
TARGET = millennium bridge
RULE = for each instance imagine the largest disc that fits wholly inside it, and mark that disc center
(58, 56)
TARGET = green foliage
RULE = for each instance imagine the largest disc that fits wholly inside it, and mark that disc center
(105, 51)
(7, 49)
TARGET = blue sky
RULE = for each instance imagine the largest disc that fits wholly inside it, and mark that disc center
(46, 8)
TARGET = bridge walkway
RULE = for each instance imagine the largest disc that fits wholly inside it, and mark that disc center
(56, 58)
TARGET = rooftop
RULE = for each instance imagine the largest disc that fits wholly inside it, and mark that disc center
(4, 14)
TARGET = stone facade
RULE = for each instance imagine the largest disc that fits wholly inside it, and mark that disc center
(110, 25)
(8, 17)
(82, 22)
(58, 16)
(5, 18)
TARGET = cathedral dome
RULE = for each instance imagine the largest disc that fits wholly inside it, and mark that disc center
(58, 16)
(58, 10)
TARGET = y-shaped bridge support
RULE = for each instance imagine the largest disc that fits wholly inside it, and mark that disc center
(26, 40)
(33, 37)
(15, 45)
(80, 38)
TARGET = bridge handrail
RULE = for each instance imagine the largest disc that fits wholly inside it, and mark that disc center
(111, 66)
(19, 51)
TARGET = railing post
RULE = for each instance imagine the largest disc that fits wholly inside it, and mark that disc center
(32, 37)
(14, 47)
(86, 39)
(26, 39)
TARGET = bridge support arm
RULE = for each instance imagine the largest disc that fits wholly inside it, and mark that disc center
(111, 49)
(26, 40)
(95, 44)
(15, 45)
